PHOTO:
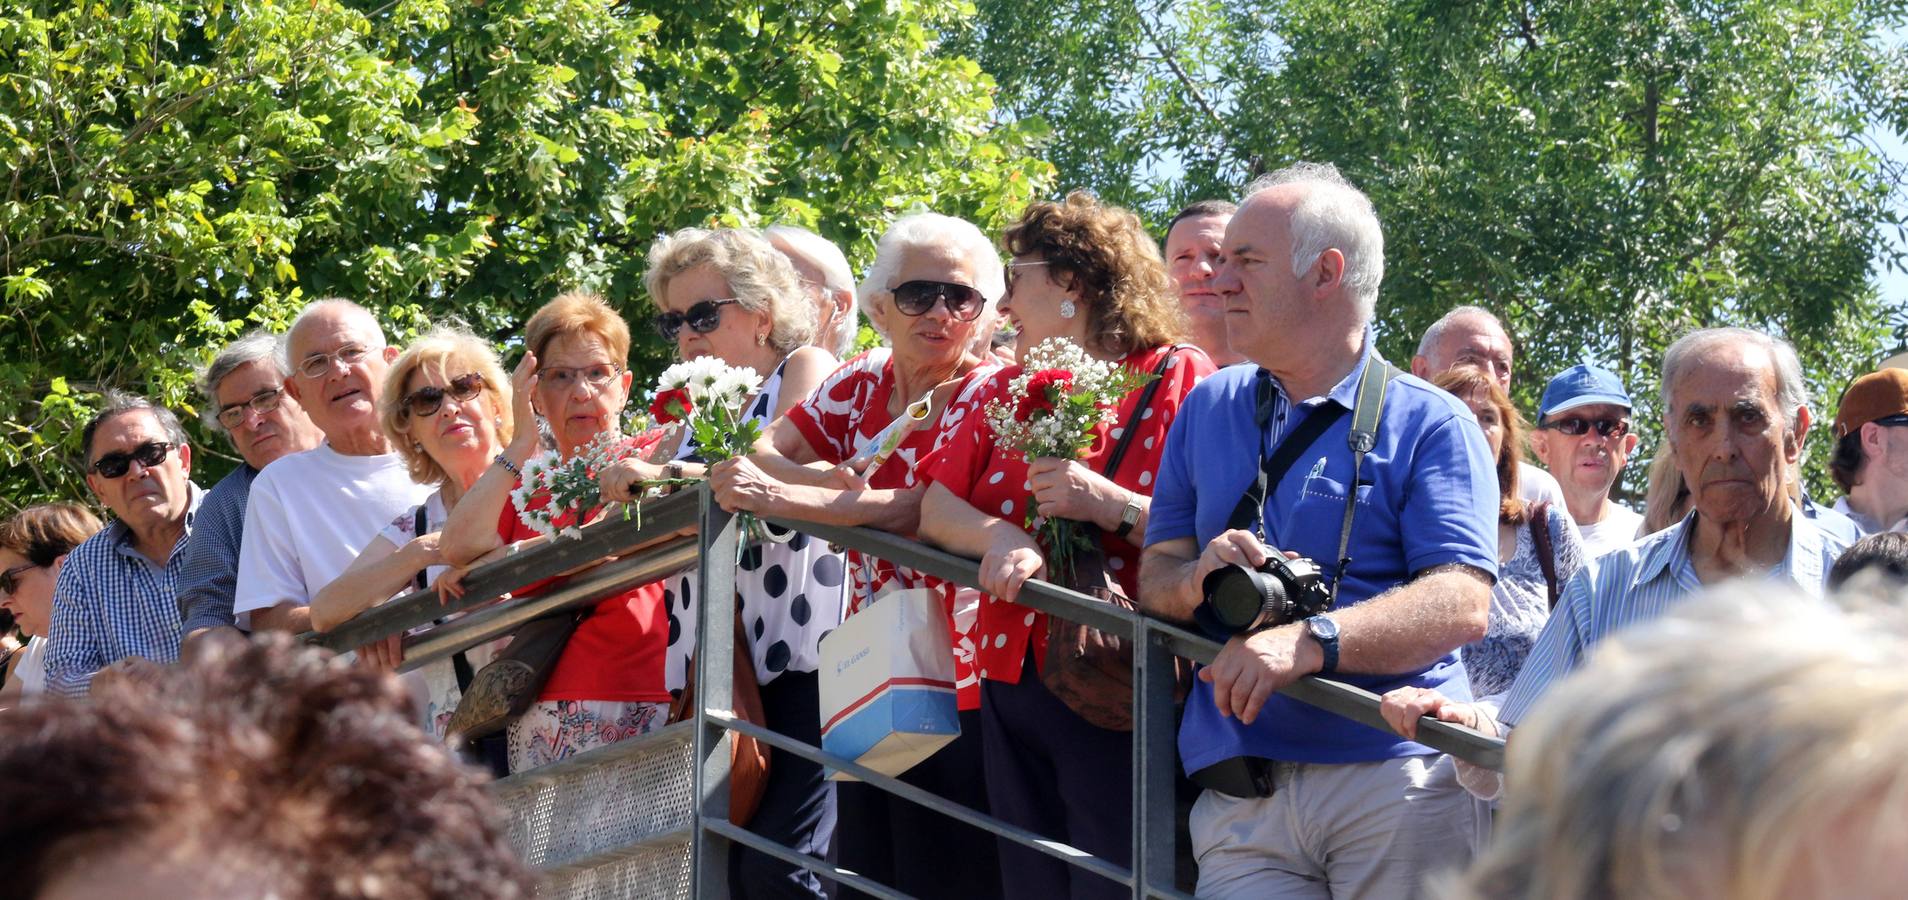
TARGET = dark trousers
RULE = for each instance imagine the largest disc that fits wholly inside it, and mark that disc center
(798, 805)
(1050, 772)
(920, 853)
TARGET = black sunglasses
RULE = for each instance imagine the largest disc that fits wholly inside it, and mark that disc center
(701, 318)
(10, 579)
(427, 400)
(149, 454)
(915, 298)
(1575, 427)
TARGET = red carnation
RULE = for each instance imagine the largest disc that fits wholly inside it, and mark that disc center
(671, 406)
(1044, 389)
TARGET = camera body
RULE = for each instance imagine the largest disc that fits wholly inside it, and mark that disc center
(1243, 599)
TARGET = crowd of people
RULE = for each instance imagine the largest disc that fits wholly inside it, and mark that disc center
(1424, 558)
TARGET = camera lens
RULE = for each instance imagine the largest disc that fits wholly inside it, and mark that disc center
(1237, 596)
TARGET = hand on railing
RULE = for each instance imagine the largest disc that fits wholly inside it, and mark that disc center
(382, 655)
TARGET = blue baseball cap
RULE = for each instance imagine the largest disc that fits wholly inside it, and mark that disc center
(1582, 386)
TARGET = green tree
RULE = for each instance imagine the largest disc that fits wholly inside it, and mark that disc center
(177, 172)
(1604, 175)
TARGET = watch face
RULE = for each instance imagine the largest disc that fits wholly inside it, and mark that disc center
(1322, 627)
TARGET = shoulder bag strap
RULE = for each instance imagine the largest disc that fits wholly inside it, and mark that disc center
(460, 664)
(1145, 402)
(1546, 555)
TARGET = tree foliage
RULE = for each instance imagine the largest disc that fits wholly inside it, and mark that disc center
(1604, 175)
(177, 172)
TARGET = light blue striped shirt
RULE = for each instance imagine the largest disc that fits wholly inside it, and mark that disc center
(1641, 582)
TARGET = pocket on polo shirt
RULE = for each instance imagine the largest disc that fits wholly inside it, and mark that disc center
(1318, 488)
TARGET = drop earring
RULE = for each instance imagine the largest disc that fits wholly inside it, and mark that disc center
(761, 340)
(1067, 309)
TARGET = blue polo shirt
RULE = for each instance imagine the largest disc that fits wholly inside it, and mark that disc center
(1427, 497)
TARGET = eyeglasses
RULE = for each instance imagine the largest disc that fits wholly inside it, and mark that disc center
(915, 298)
(232, 415)
(701, 318)
(1575, 427)
(316, 365)
(564, 378)
(148, 454)
(10, 579)
(427, 400)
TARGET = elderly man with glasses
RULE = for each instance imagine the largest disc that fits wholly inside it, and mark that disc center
(311, 513)
(245, 398)
(1583, 437)
(114, 601)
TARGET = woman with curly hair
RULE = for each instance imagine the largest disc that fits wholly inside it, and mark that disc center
(1090, 274)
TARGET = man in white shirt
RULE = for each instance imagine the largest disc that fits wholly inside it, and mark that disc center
(1471, 335)
(1870, 461)
(310, 513)
(1583, 436)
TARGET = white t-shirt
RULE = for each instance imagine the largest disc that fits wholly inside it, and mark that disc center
(1535, 485)
(30, 670)
(1618, 529)
(308, 517)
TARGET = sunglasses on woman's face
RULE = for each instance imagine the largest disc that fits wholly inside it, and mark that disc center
(149, 454)
(10, 579)
(427, 400)
(701, 318)
(915, 298)
(1575, 427)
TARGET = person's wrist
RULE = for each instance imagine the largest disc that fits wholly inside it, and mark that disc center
(1307, 656)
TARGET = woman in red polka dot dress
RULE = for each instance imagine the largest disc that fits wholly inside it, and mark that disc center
(1091, 274)
(930, 292)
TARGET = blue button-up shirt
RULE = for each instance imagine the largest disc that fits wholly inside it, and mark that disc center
(1427, 496)
(111, 603)
(208, 578)
(1641, 582)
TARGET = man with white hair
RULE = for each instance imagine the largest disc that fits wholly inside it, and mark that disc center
(825, 274)
(246, 399)
(1264, 463)
(1471, 335)
(1735, 417)
(310, 513)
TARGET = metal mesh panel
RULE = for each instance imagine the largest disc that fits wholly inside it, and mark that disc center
(609, 799)
(658, 870)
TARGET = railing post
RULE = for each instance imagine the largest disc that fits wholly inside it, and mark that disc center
(715, 655)
(1155, 736)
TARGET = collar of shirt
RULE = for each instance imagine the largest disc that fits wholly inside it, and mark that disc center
(1801, 563)
(123, 534)
(1344, 393)
(1866, 524)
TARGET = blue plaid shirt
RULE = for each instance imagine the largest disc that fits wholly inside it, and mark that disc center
(208, 579)
(111, 603)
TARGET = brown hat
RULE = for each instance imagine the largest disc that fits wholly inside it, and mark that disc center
(1876, 395)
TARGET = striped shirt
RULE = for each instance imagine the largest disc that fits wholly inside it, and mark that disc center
(111, 603)
(1641, 582)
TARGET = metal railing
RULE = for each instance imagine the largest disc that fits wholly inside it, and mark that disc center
(640, 553)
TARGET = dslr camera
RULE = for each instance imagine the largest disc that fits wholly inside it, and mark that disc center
(1243, 599)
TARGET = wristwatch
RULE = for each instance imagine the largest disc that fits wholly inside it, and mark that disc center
(1324, 630)
(1129, 516)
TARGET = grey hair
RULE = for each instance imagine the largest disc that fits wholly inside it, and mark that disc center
(251, 347)
(118, 403)
(927, 230)
(758, 275)
(1334, 214)
(1792, 393)
(1711, 754)
(285, 362)
(821, 253)
(1436, 332)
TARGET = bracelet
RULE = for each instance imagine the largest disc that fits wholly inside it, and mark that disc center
(509, 466)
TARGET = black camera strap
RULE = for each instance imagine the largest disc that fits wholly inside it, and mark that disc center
(1367, 409)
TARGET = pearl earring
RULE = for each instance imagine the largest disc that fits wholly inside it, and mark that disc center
(1067, 309)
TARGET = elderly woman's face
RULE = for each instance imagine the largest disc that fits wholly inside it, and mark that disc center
(581, 389)
(740, 336)
(936, 335)
(454, 415)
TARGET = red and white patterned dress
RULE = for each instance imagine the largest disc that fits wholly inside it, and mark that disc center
(994, 480)
(849, 409)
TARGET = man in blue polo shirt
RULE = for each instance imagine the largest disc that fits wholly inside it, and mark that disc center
(1338, 808)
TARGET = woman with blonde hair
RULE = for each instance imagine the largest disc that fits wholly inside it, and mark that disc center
(443, 407)
(1089, 274)
(33, 545)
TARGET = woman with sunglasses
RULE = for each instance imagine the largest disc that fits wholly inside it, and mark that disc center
(1539, 549)
(442, 407)
(930, 292)
(729, 294)
(33, 545)
(1092, 275)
